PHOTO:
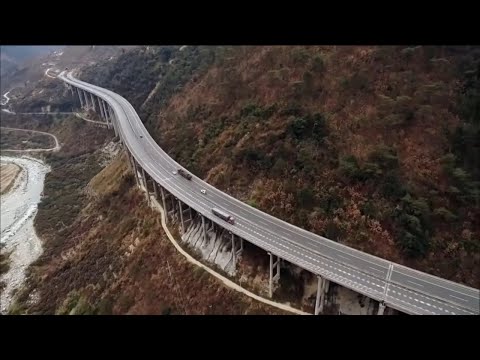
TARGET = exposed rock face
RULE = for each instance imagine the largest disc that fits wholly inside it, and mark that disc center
(214, 248)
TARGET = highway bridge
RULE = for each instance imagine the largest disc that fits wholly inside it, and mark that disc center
(392, 285)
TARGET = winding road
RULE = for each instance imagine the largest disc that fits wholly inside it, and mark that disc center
(399, 287)
(55, 148)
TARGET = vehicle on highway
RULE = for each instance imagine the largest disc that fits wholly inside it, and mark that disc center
(203, 191)
(141, 136)
(174, 172)
(224, 216)
(185, 174)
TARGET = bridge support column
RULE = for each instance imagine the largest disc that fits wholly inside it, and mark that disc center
(275, 277)
(234, 253)
(173, 207)
(181, 216)
(146, 186)
(191, 216)
(155, 190)
(80, 98)
(134, 167)
(204, 228)
(164, 205)
(130, 163)
(107, 117)
(92, 97)
(85, 97)
(87, 106)
(381, 308)
(112, 120)
(100, 107)
(322, 289)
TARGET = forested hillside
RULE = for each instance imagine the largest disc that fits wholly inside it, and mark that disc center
(374, 147)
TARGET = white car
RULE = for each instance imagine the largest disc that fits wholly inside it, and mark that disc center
(203, 191)
(174, 172)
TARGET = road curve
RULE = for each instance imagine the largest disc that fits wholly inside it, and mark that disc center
(402, 288)
(55, 148)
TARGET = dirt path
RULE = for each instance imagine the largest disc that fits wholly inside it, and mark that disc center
(9, 173)
(55, 148)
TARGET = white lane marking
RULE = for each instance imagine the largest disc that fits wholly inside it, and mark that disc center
(374, 269)
(458, 298)
(435, 284)
(419, 295)
(415, 283)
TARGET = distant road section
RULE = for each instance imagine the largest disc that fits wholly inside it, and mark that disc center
(55, 148)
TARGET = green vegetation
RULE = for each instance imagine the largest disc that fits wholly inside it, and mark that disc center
(413, 217)
(309, 127)
(381, 169)
(258, 111)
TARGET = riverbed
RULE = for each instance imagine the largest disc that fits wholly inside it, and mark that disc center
(17, 234)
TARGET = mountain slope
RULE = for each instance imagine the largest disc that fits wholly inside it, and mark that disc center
(353, 143)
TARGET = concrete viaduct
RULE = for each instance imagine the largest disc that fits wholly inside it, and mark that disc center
(392, 285)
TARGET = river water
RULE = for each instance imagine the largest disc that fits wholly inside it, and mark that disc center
(17, 234)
